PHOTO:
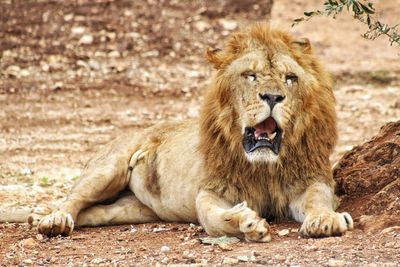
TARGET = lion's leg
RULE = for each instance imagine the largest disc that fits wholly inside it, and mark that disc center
(315, 208)
(126, 210)
(218, 217)
(105, 176)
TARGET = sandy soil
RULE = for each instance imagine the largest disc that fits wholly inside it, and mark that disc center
(75, 74)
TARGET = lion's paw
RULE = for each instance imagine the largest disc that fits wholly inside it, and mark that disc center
(56, 223)
(254, 228)
(325, 224)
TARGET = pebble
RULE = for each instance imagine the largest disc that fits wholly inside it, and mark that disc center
(86, 39)
(201, 25)
(97, 260)
(28, 243)
(280, 257)
(58, 86)
(165, 260)
(24, 73)
(229, 260)
(28, 261)
(283, 232)
(165, 249)
(26, 171)
(187, 255)
(336, 263)
(114, 54)
(243, 258)
(227, 24)
(78, 30)
(225, 247)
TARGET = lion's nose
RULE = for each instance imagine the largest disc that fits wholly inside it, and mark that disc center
(272, 100)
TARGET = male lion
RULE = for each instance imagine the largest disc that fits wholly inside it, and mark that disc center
(259, 150)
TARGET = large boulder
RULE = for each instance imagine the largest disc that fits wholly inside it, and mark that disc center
(368, 180)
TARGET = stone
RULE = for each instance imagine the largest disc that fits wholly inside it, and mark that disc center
(371, 172)
(228, 260)
(283, 232)
(86, 39)
(165, 249)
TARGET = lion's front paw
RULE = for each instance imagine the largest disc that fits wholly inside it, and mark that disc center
(57, 223)
(253, 227)
(325, 223)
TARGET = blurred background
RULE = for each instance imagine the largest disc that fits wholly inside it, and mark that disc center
(75, 74)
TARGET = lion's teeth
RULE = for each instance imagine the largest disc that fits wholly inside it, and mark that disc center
(263, 138)
(272, 136)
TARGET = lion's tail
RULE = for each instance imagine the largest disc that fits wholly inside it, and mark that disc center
(15, 214)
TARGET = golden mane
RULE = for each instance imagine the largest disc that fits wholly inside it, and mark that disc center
(309, 141)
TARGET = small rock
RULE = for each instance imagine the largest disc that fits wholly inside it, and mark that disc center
(165, 249)
(390, 229)
(228, 25)
(228, 260)
(78, 30)
(58, 86)
(165, 260)
(93, 64)
(283, 232)
(336, 263)
(26, 171)
(68, 17)
(28, 261)
(225, 247)
(97, 260)
(201, 25)
(187, 255)
(24, 73)
(39, 237)
(28, 243)
(114, 54)
(86, 39)
(243, 258)
(280, 257)
(13, 71)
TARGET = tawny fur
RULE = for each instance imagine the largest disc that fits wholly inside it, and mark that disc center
(198, 171)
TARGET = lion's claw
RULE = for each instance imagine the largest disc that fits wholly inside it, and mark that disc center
(326, 224)
(254, 228)
(57, 223)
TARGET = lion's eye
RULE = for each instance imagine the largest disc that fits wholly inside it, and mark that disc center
(251, 77)
(290, 79)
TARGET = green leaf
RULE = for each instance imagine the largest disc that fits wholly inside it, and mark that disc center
(366, 9)
(356, 8)
(309, 14)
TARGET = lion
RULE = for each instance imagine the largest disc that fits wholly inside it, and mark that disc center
(259, 150)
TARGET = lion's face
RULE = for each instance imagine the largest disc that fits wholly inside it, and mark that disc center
(271, 98)
(267, 89)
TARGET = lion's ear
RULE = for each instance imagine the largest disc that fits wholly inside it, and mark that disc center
(303, 44)
(214, 56)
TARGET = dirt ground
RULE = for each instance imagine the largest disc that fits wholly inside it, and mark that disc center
(75, 74)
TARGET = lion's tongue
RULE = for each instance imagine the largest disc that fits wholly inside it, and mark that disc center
(268, 127)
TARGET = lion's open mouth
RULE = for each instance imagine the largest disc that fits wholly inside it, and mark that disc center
(265, 134)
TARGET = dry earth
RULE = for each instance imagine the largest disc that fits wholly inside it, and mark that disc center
(75, 74)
